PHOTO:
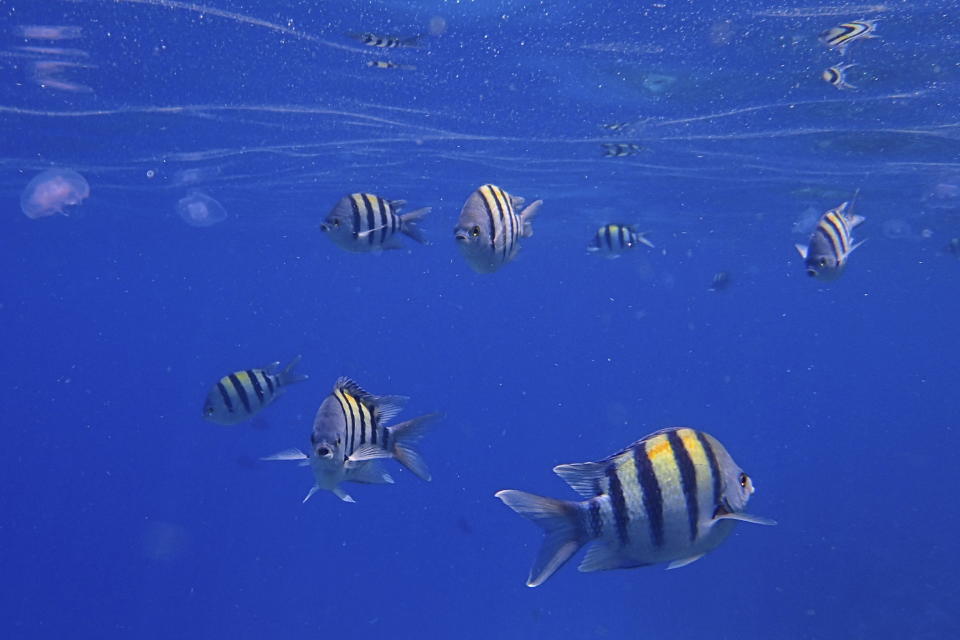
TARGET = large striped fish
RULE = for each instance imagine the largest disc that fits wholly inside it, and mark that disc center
(489, 230)
(239, 395)
(350, 436)
(840, 36)
(363, 222)
(831, 243)
(670, 497)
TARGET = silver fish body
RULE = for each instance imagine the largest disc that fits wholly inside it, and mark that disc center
(239, 395)
(364, 223)
(831, 243)
(350, 436)
(670, 497)
(612, 240)
(620, 149)
(489, 229)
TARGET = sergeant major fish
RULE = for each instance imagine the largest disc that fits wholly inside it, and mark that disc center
(831, 243)
(620, 149)
(350, 436)
(386, 64)
(672, 497)
(840, 36)
(385, 42)
(611, 240)
(489, 229)
(363, 222)
(239, 395)
(836, 76)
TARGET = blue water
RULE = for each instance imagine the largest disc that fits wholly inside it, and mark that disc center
(125, 515)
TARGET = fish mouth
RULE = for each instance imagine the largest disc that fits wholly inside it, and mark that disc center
(811, 273)
(324, 227)
(460, 237)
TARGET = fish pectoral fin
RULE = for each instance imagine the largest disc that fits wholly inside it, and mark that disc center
(364, 234)
(682, 562)
(526, 217)
(745, 517)
(802, 250)
(310, 493)
(367, 452)
(583, 477)
(287, 454)
(369, 472)
(340, 493)
(855, 246)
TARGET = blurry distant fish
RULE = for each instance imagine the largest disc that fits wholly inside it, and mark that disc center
(670, 497)
(363, 222)
(953, 247)
(840, 36)
(831, 243)
(721, 280)
(616, 126)
(385, 42)
(349, 437)
(620, 149)
(836, 76)
(611, 240)
(386, 64)
(239, 395)
(489, 229)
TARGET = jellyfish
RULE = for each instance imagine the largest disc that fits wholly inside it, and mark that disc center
(200, 210)
(49, 192)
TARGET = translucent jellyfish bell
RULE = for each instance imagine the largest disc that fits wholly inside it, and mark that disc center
(49, 192)
(200, 210)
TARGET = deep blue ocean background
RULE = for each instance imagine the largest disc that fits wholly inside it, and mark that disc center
(125, 515)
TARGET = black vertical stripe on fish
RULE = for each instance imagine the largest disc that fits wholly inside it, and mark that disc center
(609, 236)
(363, 425)
(596, 519)
(688, 480)
(840, 225)
(356, 216)
(491, 217)
(384, 219)
(269, 380)
(256, 385)
(624, 237)
(619, 504)
(836, 238)
(385, 440)
(225, 396)
(344, 407)
(502, 217)
(714, 468)
(371, 218)
(652, 496)
(826, 231)
(240, 391)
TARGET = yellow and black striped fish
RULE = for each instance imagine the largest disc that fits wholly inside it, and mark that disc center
(831, 243)
(489, 229)
(840, 36)
(239, 395)
(350, 435)
(363, 222)
(620, 149)
(385, 42)
(611, 240)
(670, 497)
(836, 75)
(616, 126)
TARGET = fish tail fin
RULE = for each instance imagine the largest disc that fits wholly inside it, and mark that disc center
(526, 217)
(563, 533)
(288, 375)
(409, 224)
(413, 41)
(856, 220)
(641, 237)
(404, 436)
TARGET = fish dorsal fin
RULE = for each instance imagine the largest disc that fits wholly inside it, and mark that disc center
(346, 384)
(383, 407)
(396, 205)
(583, 477)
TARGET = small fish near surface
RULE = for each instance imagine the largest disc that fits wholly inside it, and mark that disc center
(239, 395)
(386, 64)
(721, 280)
(836, 76)
(350, 436)
(612, 240)
(385, 42)
(489, 229)
(671, 497)
(840, 36)
(363, 223)
(620, 149)
(831, 243)
(616, 126)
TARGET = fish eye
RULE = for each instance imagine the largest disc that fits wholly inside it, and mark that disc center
(336, 222)
(744, 479)
(823, 262)
(209, 411)
(475, 231)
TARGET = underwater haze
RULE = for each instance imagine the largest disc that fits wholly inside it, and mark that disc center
(165, 168)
